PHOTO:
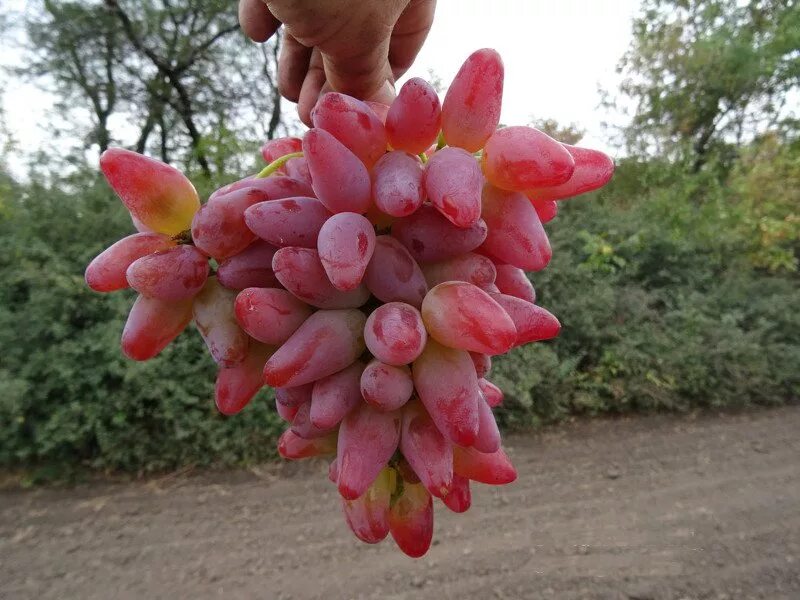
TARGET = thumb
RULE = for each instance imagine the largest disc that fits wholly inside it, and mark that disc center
(362, 71)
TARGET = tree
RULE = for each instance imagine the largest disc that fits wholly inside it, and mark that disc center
(703, 73)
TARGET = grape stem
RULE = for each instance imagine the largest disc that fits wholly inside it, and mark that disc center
(423, 157)
(277, 164)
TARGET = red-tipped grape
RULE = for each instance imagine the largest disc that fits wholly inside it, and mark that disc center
(546, 209)
(415, 117)
(430, 237)
(491, 393)
(297, 168)
(287, 413)
(275, 187)
(395, 334)
(278, 147)
(252, 267)
(288, 222)
(336, 395)
(152, 324)
(397, 184)
(219, 228)
(353, 123)
(237, 385)
(368, 515)
(533, 323)
(427, 451)
(386, 387)
(293, 447)
(304, 427)
(453, 183)
(216, 321)
(340, 180)
(175, 274)
(106, 273)
(488, 439)
(458, 498)
(411, 520)
(345, 245)
(593, 170)
(492, 469)
(294, 396)
(269, 315)
(482, 362)
(512, 280)
(470, 267)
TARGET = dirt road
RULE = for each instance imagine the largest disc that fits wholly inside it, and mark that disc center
(642, 508)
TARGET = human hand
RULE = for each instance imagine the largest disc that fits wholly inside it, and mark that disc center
(357, 47)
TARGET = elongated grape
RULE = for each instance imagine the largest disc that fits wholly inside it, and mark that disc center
(516, 235)
(415, 117)
(304, 427)
(491, 393)
(380, 110)
(593, 170)
(492, 469)
(488, 438)
(397, 184)
(327, 342)
(385, 387)
(345, 245)
(216, 322)
(156, 194)
(512, 280)
(461, 315)
(430, 237)
(174, 274)
(471, 107)
(297, 168)
(219, 228)
(482, 362)
(301, 272)
(546, 209)
(367, 440)
(392, 275)
(395, 334)
(411, 520)
(252, 267)
(453, 183)
(353, 123)
(287, 413)
(470, 267)
(446, 382)
(533, 323)
(269, 315)
(152, 324)
(520, 158)
(288, 222)
(294, 396)
(293, 447)
(340, 180)
(336, 395)
(458, 498)
(278, 147)
(237, 385)
(275, 187)
(427, 451)
(368, 515)
(106, 272)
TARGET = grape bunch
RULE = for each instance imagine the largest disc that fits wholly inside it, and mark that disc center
(368, 273)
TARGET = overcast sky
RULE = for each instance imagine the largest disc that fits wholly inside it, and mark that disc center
(556, 54)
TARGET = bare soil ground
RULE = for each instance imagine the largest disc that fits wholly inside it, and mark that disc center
(640, 508)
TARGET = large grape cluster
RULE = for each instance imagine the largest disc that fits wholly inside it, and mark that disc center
(368, 274)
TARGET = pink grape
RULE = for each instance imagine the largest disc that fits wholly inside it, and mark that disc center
(278, 147)
(446, 382)
(453, 183)
(237, 385)
(471, 107)
(340, 180)
(288, 222)
(293, 447)
(427, 451)
(521, 158)
(461, 315)
(252, 267)
(458, 498)
(470, 267)
(367, 440)
(414, 118)
(593, 170)
(336, 395)
(430, 237)
(175, 274)
(303, 426)
(380, 110)
(287, 413)
(392, 275)
(216, 321)
(294, 396)
(533, 323)
(269, 315)
(353, 123)
(274, 188)
(301, 272)
(397, 184)
(491, 393)
(219, 228)
(156, 194)
(152, 324)
(488, 439)
(395, 334)
(546, 209)
(482, 362)
(516, 235)
(368, 515)
(297, 168)
(492, 469)
(345, 245)
(327, 342)
(386, 387)
(512, 280)
(411, 520)
(106, 272)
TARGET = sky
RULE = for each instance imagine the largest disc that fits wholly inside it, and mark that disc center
(557, 56)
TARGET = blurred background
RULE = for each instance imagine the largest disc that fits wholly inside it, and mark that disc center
(677, 286)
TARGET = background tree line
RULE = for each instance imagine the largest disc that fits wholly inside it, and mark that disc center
(678, 285)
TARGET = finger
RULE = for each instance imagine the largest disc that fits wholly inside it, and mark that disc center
(409, 34)
(292, 67)
(363, 73)
(312, 85)
(256, 20)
